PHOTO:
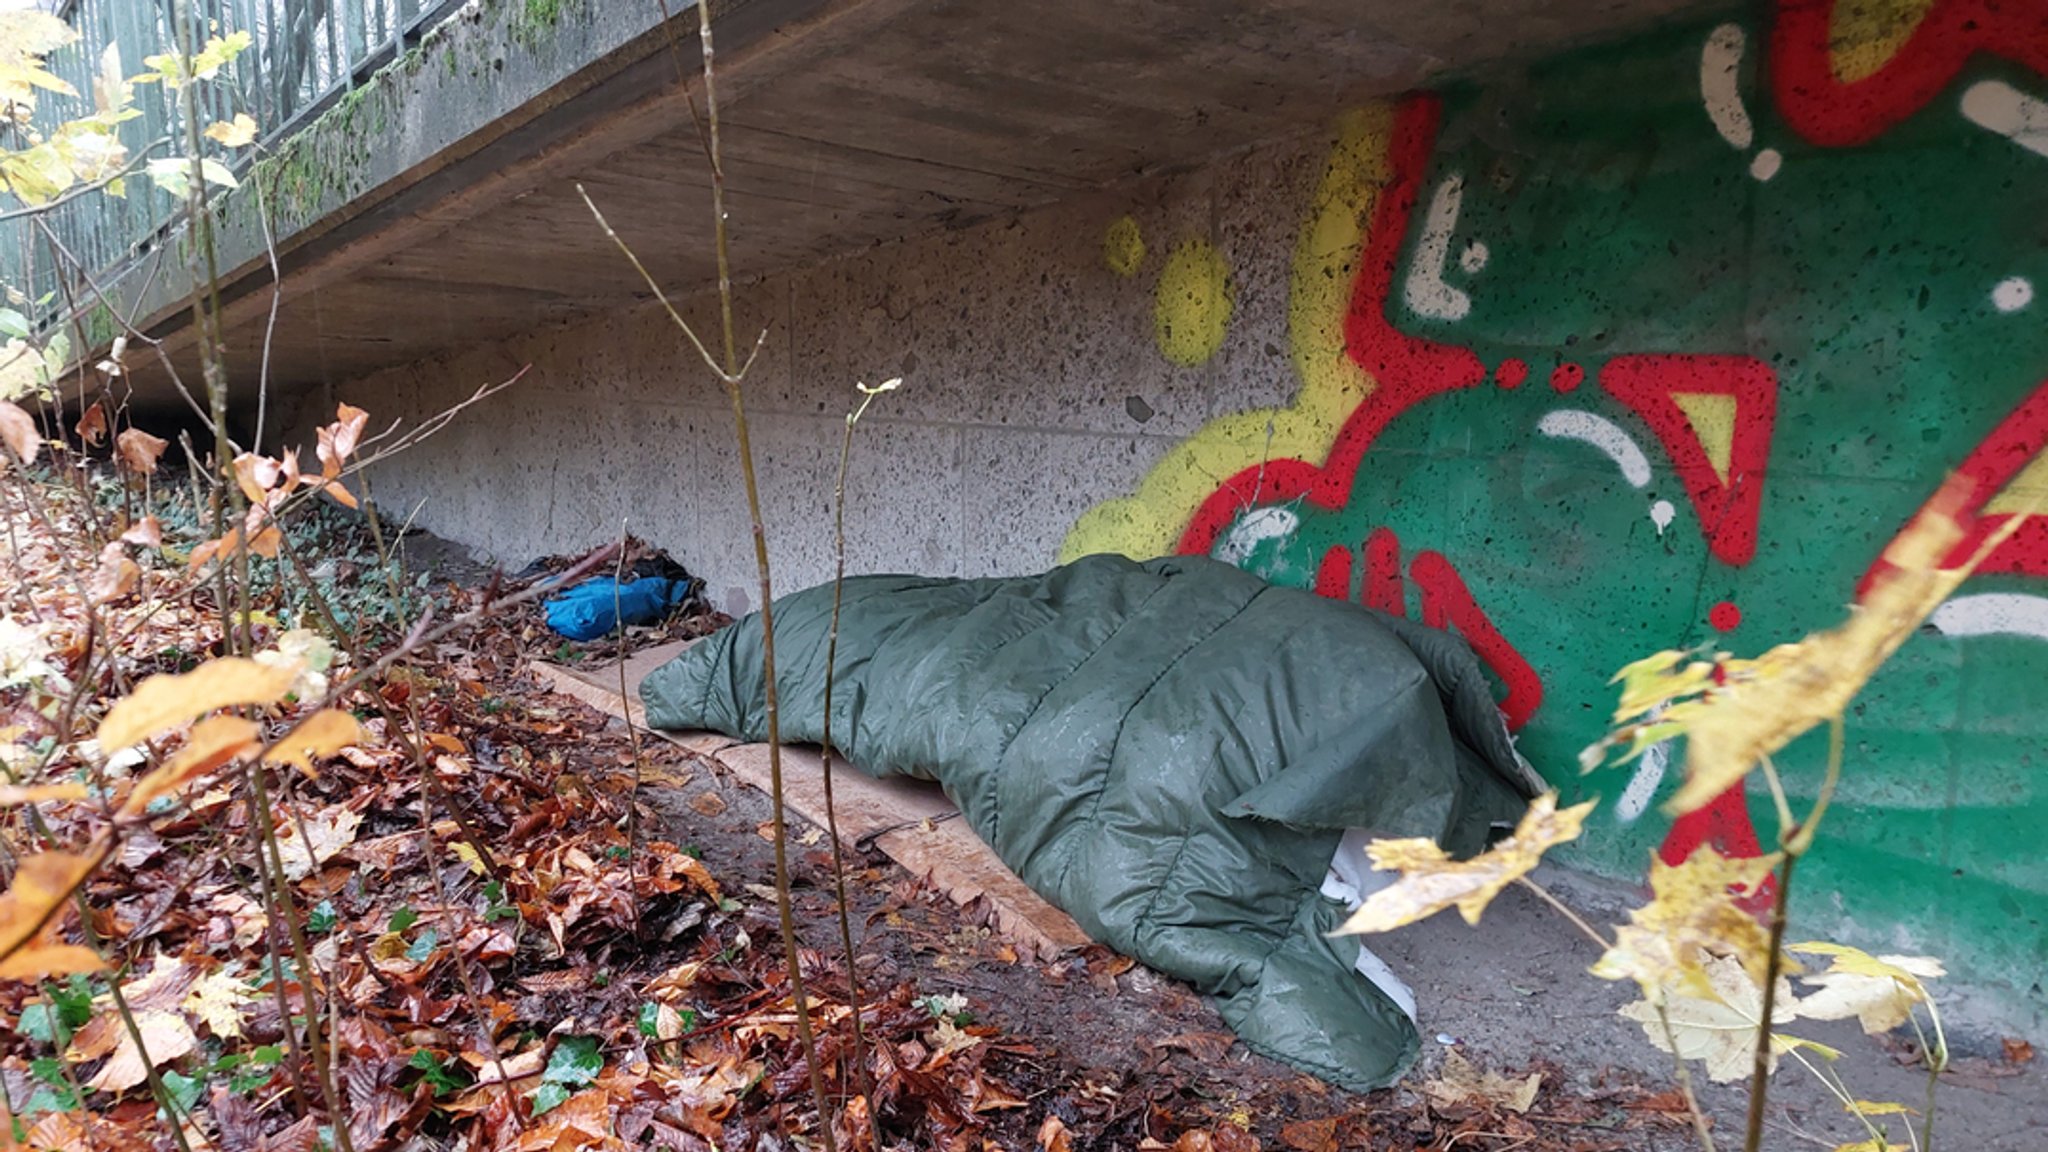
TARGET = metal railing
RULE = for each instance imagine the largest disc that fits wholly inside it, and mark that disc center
(305, 55)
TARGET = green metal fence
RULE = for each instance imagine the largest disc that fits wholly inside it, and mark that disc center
(305, 55)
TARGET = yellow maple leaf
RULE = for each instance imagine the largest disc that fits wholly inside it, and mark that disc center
(1692, 914)
(163, 702)
(1719, 1027)
(1879, 991)
(1431, 881)
(234, 133)
(216, 1001)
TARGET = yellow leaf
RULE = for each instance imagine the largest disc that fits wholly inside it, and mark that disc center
(467, 853)
(42, 961)
(236, 133)
(16, 794)
(165, 1037)
(1879, 991)
(1718, 1027)
(42, 883)
(214, 741)
(1878, 1108)
(1431, 881)
(324, 733)
(1793, 687)
(1692, 913)
(217, 999)
(164, 702)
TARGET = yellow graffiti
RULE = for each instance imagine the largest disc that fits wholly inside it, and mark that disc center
(1192, 305)
(1864, 35)
(1150, 521)
(2027, 493)
(1712, 416)
(1123, 249)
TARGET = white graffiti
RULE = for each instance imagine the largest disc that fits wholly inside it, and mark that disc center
(2012, 294)
(1601, 433)
(1993, 614)
(1720, 85)
(1662, 513)
(1999, 107)
(1765, 163)
(1425, 292)
(1261, 525)
(1642, 787)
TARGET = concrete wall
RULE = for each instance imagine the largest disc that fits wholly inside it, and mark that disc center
(1650, 346)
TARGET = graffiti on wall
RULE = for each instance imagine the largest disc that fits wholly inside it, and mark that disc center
(1585, 377)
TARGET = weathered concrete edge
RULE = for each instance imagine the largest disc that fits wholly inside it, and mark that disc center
(422, 127)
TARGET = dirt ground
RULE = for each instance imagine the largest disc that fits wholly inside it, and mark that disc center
(1117, 1053)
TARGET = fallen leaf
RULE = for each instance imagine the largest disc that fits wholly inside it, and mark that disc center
(1053, 1135)
(1207, 1047)
(330, 830)
(1431, 881)
(216, 1000)
(145, 533)
(2017, 1051)
(1312, 1135)
(1458, 1083)
(165, 1037)
(707, 804)
(162, 702)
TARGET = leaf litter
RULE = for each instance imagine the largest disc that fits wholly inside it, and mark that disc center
(511, 952)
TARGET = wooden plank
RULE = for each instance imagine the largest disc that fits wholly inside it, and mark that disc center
(910, 820)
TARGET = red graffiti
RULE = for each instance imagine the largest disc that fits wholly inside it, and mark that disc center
(1727, 505)
(1997, 461)
(1829, 111)
(1446, 603)
(1724, 823)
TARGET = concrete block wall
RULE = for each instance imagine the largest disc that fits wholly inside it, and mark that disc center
(1034, 389)
(1657, 345)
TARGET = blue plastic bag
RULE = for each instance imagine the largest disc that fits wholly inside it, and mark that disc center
(592, 609)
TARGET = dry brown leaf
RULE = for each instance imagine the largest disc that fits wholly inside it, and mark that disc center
(324, 733)
(1312, 1135)
(331, 829)
(19, 434)
(115, 577)
(1207, 1047)
(165, 1037)
(214, 741)
(42, 884)
(707, 804)
(163, 702)
(138, 451)
(1431, 881)
(1693, 912)
(92, 426)
(1053, 1135)
(145, 533)
(1458, 1083)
